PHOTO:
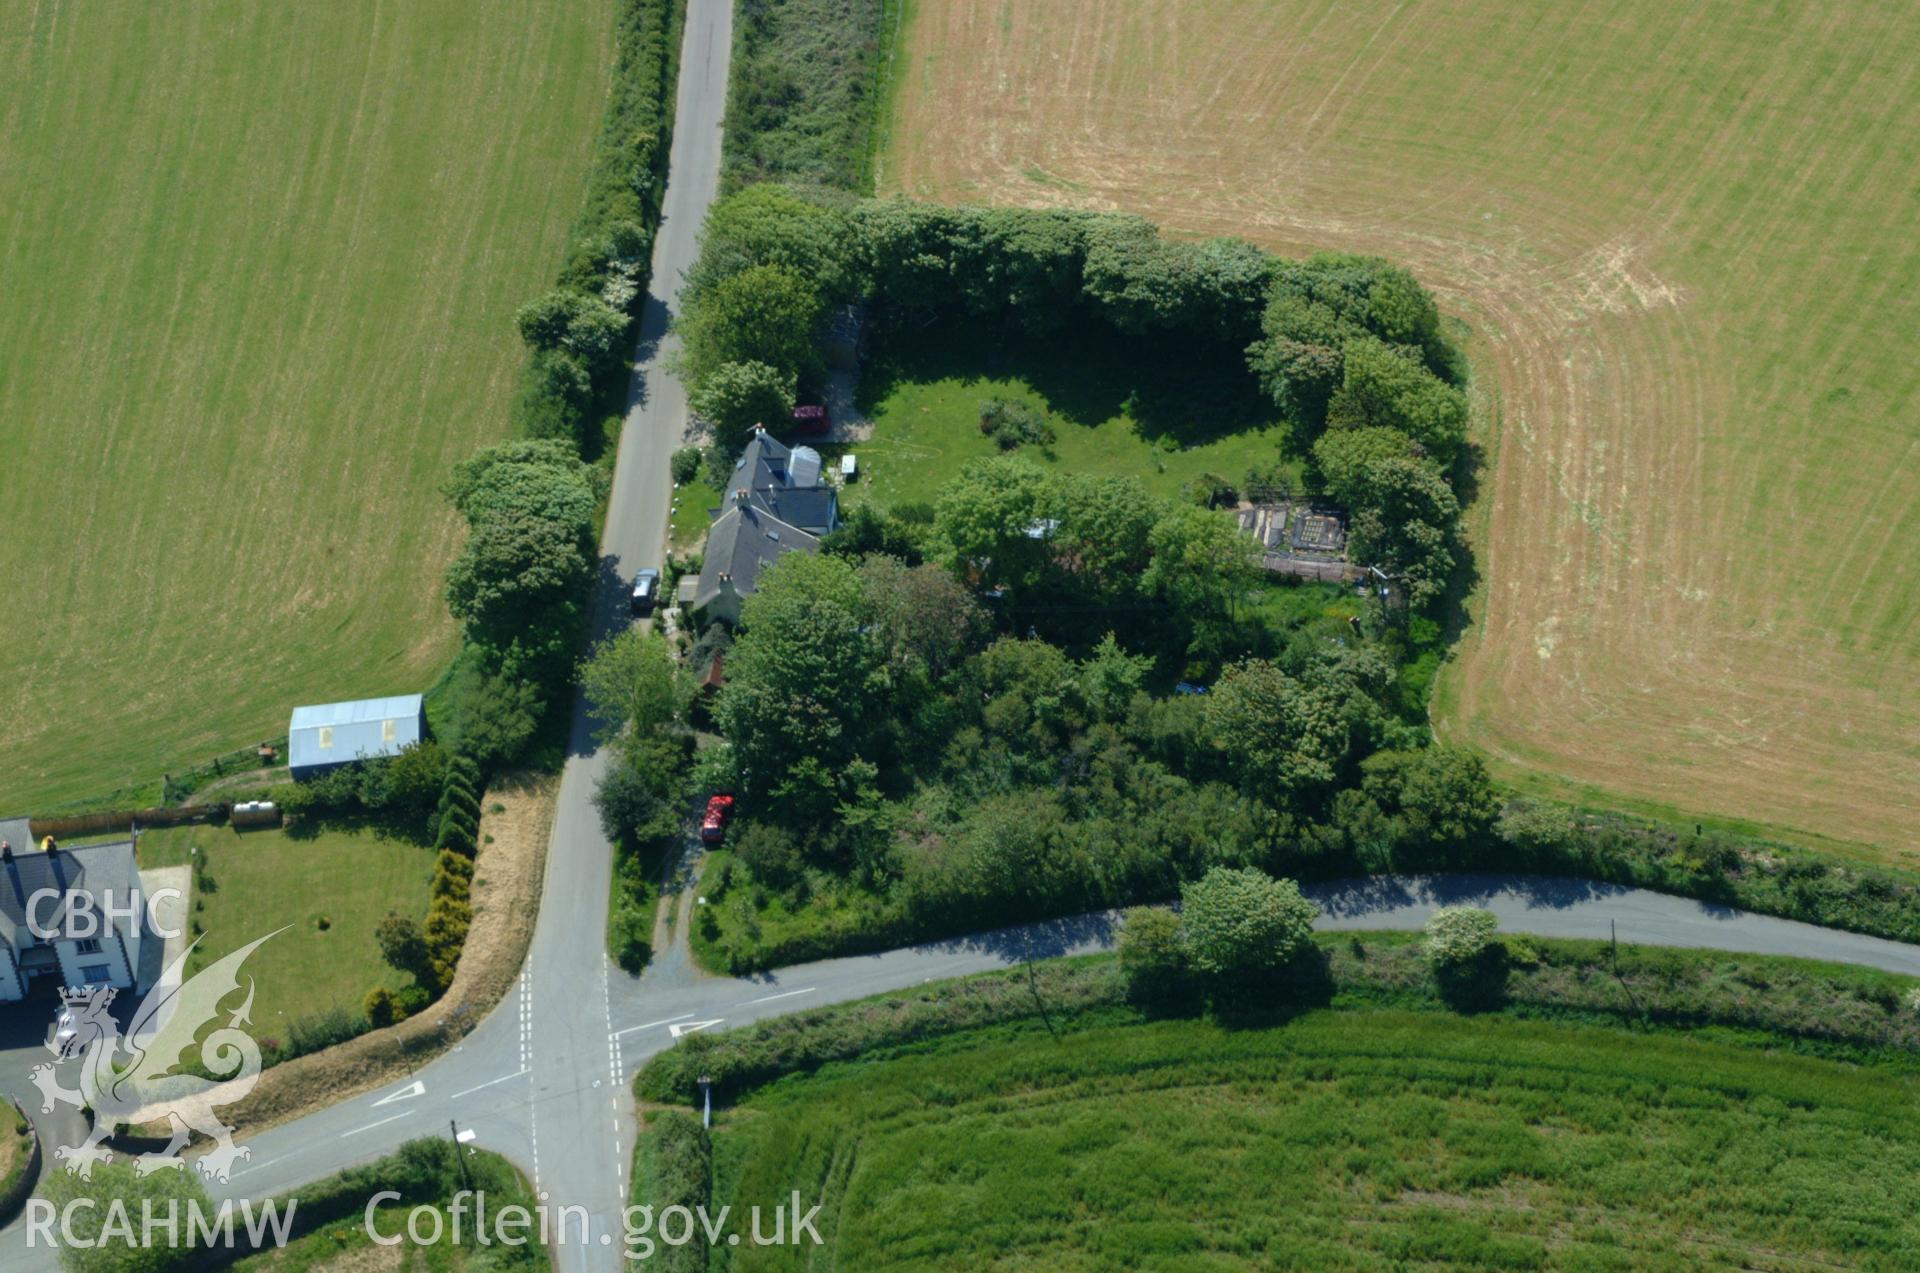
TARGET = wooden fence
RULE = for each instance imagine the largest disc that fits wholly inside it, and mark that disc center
(98, 823)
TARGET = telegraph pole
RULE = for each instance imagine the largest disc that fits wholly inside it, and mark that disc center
(465, 1179)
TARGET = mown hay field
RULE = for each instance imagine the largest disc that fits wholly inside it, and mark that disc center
(1682, 239)
(260, 263)
(1343, 1139)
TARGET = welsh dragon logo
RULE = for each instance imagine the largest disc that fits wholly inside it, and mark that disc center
(136, 1079)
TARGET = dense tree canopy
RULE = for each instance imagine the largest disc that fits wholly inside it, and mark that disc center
(736, 396)
(1407, 526)
(802, 688)
(766, 313)
(520, 581)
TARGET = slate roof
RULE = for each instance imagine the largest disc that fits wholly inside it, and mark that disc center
(762, 471)
(352, 731)
(743, 541)
(98, 872)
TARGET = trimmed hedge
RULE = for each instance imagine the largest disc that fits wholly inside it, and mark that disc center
(566, 388)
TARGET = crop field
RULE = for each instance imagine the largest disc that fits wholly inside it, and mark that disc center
(260, 263)
(1681, 237)
(1351, 1140)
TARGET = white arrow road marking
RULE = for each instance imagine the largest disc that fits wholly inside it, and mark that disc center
(382, 1123)
(649, 1025)
(691, 1026)
(788, 994)
(411, 1090)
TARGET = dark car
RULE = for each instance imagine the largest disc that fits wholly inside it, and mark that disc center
(812, 422)
(646, 591)
(713, 827)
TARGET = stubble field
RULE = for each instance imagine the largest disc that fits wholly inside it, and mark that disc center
(259, 265)
(1682, 238)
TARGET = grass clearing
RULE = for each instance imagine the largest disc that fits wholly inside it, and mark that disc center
(1682, 242)
(1341, 1139)
(273, 254)
(923, 395)
(266, 879)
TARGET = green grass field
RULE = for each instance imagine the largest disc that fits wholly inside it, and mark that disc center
(1340, 1140)
(924, 402)
(265, 880)
(260, 263)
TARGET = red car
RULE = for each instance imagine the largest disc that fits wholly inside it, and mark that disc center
(713, 828)
(812, 421)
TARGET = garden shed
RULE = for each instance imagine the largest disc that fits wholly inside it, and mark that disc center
(327, 735)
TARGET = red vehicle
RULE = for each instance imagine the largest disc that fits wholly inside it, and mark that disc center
(812, 422)
(713, 828)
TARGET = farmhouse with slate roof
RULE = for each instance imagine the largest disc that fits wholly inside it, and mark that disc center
(775, 504)
(87, 899)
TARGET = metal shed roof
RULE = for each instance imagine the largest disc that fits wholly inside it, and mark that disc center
(335, 733)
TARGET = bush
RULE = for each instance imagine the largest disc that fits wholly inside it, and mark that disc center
(1458, 935)
(379, 1007)
(1012, 424)
(1240, 923)
(686, 464)
(1153, 953)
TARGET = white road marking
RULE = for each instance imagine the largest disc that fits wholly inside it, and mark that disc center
(382, 1123)
(649, 1025)
(407, 1093)
(783, 995)
(489, 1083)
(692, 1026)
(241, 1171)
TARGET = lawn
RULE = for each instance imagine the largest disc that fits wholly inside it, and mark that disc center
(327, 887)
(924, 391)
(261, 263)
(1681, 236)
(1365, 1139)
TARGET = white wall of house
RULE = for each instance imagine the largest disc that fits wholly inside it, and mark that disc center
(106, 951)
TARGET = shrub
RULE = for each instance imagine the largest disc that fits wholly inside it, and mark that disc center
(409, 1000)
(1153, 953)
(379, 1007)
(1458, 935)
(1241, 923)
(1012, 424)
(686, 464)
(402, 944)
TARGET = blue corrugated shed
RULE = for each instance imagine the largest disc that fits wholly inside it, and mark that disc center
(330, 734)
